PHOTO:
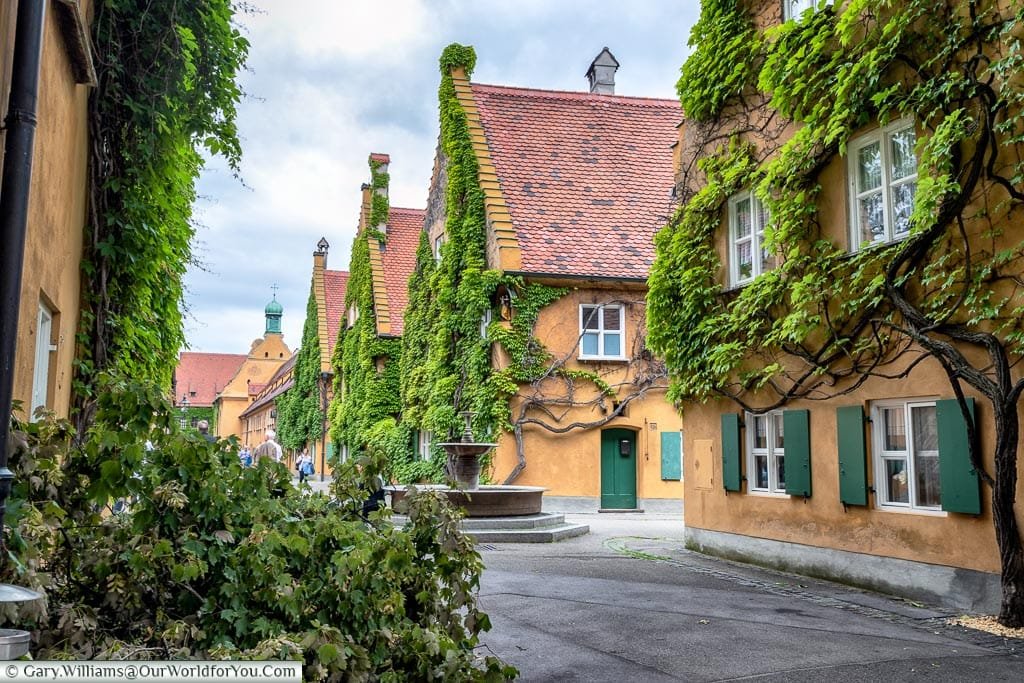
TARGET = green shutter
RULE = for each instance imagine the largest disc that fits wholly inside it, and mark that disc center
(958, 480)
(731, 451)
(671, 456)
(853, 468)
(797, 444)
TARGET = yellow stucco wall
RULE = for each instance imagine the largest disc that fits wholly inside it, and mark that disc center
(570, 464)
(265, 356)
(821, 520)
(57, 207)
(949, 539)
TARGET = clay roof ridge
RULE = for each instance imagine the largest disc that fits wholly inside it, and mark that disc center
(580, 95)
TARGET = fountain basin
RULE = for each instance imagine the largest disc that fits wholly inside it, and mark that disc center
(484, 501)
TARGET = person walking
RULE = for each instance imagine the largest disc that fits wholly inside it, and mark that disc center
(204, 428)
(268, 449)
(304, 465)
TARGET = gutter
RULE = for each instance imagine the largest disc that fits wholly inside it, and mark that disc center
(20, 126)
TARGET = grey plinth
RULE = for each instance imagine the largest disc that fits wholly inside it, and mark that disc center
(485, 501)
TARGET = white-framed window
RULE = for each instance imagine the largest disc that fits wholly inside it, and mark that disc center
(883, 180)
(601, 331)
(183, 423)
(353, 315)
(747, 256)
(793, 9)
(485, 322)
(905, 443)
(423, 441)
(438, 243)
(41, 368)
(766, 453)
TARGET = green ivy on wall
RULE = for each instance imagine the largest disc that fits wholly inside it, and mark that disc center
(448, 364)
(366, 365)
(159, 102)
(447, 358)
(300, 418)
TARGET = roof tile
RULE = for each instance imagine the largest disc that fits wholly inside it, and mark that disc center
(399, 256)
(201, 376)
(587, 178)
(335, 282)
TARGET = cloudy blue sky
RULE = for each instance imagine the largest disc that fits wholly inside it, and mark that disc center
(330, 81)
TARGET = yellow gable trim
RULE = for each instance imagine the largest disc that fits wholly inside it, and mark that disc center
(501, 234)
(382, 312)
(320, 294)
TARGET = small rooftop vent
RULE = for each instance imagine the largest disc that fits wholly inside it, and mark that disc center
(601, 73)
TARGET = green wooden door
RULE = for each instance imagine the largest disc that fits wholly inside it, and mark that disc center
(618, 469)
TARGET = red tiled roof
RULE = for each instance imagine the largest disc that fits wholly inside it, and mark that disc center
(587, 178)
(274, 391)
(382, 158)
(399, 257)
(201, 376)
(335, 282)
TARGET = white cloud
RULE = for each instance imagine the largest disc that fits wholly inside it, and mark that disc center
(384, 31)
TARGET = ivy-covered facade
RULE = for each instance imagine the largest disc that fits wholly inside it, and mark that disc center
(366, 363)
(300, 410)
(527, 300)
(838, 297)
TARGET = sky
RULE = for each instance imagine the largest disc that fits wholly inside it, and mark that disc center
(330, 81)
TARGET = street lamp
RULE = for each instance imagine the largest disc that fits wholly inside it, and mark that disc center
(184, 410)
(325, 377)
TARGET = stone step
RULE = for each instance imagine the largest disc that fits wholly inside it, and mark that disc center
(542, 535)
(538, 521)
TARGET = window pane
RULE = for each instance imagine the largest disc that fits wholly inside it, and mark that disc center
(926, 430)
(869, 167)
(780, 472)
(743, 218)
(902, 206)
(744, 261)
(761, 471)
(760, 432)
(896, 488)
(777, 419)
(590, 319)
(895, 429)
(871, 217)
(611, 317)
(926, 455)
(612, 345)
(904, 163)
(590, 344)
(762, 215)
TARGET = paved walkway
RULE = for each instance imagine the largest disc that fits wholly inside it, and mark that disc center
(629, 603)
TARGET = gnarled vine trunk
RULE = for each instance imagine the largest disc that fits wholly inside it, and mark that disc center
(1004, 490)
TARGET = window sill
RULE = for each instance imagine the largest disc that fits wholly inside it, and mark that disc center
(768, 494)
(602, 359)
(911, 511)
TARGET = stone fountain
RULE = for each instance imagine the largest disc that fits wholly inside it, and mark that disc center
(496, 513)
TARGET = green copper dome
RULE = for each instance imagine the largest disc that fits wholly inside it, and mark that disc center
(274, 308)
(273, 313)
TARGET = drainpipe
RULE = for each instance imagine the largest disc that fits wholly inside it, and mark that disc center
(20, 127)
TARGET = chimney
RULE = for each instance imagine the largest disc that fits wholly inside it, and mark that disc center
(601, 73)
(320, 255)
(379, 165)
